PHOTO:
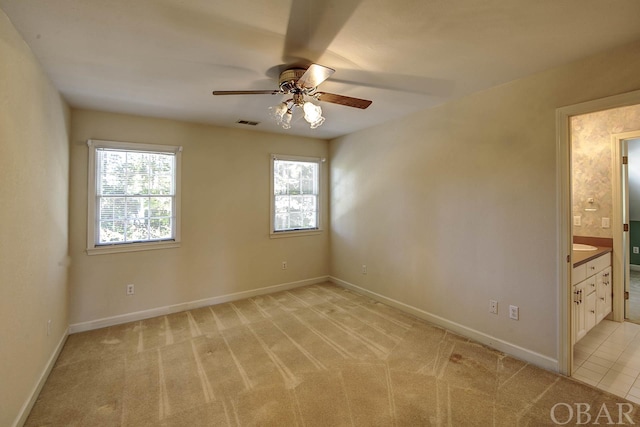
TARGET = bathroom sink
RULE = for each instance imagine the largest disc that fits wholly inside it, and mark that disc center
(583, 247)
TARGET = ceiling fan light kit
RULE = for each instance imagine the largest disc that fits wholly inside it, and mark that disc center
(283, 112)
(313, 114)
(300, 83)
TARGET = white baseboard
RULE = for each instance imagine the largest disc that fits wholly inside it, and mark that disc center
(28, 405)
(501, 345)
(169, 309)
(634, 267)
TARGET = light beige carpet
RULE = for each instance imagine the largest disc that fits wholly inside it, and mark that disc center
(314, 356)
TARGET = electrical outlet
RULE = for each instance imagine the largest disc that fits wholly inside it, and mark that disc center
(514, 312)
(364, 269)
(635, 250)
(577, 220)
(606, 223)
(48, 327)
(493, 306)
(284, 265)
(131, 289)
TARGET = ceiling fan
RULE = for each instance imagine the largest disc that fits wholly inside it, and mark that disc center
(313, 24)
(300, 83)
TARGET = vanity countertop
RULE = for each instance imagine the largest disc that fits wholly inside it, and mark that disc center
(581, 257)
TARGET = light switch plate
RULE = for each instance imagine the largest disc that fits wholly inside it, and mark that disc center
(606, 223)
(514, 312)
(577, 220)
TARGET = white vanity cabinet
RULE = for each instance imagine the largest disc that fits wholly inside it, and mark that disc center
(603, 294)
(584, 307)
(591, 294)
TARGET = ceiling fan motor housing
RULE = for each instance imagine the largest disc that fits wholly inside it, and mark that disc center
(288, 80)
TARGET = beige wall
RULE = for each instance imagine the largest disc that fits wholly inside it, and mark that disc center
(591, 165)
(34, 170)
(456, 205)
(225, 220)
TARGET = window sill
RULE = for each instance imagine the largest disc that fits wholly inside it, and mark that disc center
(131, 247)
(294, 233)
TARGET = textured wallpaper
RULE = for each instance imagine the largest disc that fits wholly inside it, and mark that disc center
(591, 164)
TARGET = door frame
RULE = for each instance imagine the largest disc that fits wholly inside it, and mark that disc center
(564, 205)
(620, 181)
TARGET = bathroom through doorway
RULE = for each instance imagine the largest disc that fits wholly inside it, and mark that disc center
(602, 221)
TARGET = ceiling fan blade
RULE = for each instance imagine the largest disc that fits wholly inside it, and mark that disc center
(315, 75)
(313, 25)
(396, 82)
(247, 92)
(343, 100)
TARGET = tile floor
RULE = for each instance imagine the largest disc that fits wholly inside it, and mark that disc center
(608, 358)
(633, 312)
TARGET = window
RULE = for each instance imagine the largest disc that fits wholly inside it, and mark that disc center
(134, 197)
(295, 195)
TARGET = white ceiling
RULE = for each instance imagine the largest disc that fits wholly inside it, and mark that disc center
(164, 57)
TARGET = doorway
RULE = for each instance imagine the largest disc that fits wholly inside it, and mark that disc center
(565, 220)
(600, 136)
(626, 166)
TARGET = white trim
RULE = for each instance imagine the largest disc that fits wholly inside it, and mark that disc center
(563, 243)
(496, 343)
(131, 247)
(564, 206)
(634, 267)
(310, 159)
(295, 233)
(28, 405)
(176, 308)
(273, 234)
(92, 248)
(134, 146)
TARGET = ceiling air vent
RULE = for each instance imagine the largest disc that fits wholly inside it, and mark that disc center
(248, 122)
